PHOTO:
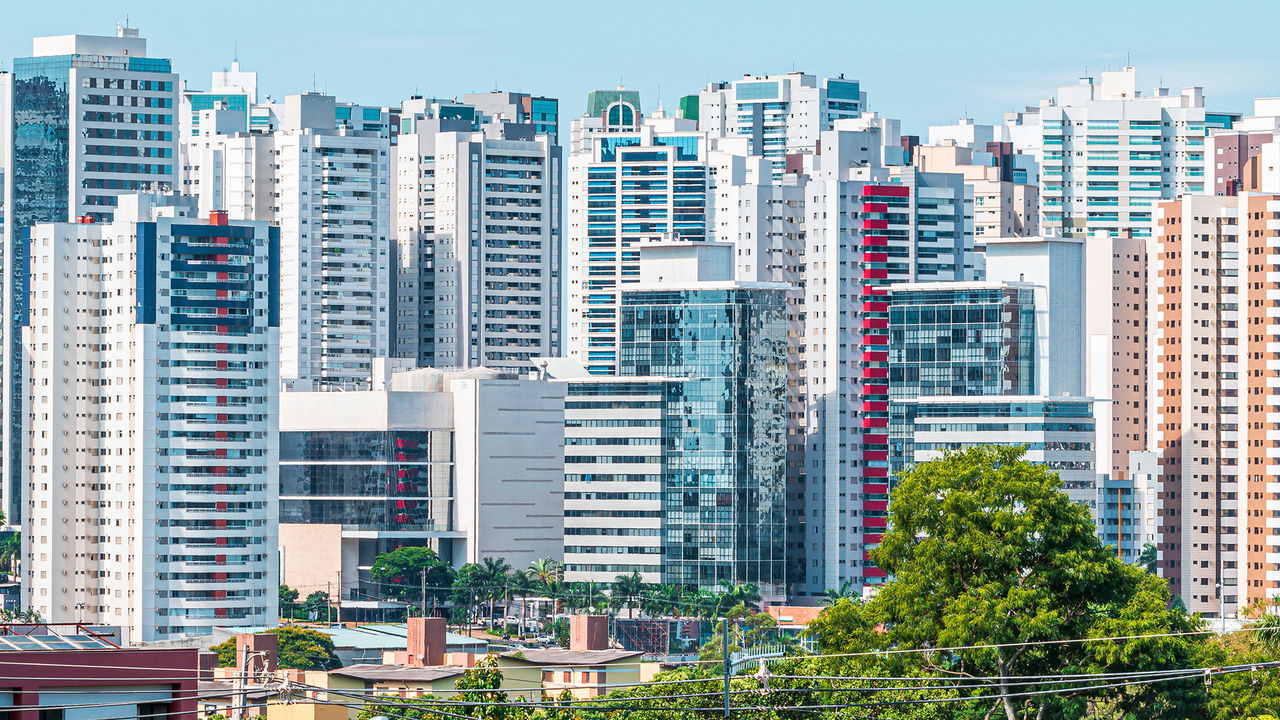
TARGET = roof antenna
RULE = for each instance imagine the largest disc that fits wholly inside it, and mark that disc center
(235, 51)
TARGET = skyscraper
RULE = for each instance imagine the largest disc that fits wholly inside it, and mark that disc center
(150, 358)
(1213, 385)
(478, 238)
(1108, 153)
(321, 172)
(631, 180)
(778, 114)
(89, 118)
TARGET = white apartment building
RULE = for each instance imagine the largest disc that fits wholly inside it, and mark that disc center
(150, 359)
(631, 180)
(98, 120)
(778, 114)
(478, 239)
(866, 226)
(613, 464)
(1108, 154)
(468, 463)
(322, 174)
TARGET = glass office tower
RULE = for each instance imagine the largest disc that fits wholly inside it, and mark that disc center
(724, 488)
(956, 339)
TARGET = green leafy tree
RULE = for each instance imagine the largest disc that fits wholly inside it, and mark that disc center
(666, 601)
(300, 648)
(288, 602)
(746, 628)
(986, 550)
(405, 570)
(318, 606)
(548, 579)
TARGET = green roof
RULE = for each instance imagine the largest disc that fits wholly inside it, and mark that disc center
(599, 100)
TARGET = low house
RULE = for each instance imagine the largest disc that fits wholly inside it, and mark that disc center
(588, 668)
(357, 643)
(48, 665)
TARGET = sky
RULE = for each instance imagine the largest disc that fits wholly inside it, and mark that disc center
(922, 61)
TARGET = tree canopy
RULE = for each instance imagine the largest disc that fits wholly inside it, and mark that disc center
(300, 649)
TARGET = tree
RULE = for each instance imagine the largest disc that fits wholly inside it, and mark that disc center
(986, 550)
(844, 592)
(746, 628)
(288, 602)
(665, 601)
(626, 590)
(300, 648)
(496, 573)
(317, 606)
(406, 570)
(470, 585)
(1149, 558)
(548, 576)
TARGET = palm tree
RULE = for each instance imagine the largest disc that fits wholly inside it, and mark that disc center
(626, 590)
(548, 575)
(844, 592)
(729, 596)
(665, 600)
(496, 573)
(521, 586)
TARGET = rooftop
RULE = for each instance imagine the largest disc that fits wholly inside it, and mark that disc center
(373, 636)
(398, 673)
(53, 636)
(561, 656)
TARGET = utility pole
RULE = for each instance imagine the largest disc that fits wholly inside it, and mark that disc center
(724, 633)
(422, 582)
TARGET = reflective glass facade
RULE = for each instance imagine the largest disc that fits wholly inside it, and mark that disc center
(949, 341)
(724, 488)
(394, 480)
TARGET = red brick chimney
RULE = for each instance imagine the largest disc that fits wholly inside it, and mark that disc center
(426, 641)
(219, 217)
(265, 647)
(588, 632)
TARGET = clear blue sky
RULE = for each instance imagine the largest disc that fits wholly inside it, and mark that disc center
(924, 62)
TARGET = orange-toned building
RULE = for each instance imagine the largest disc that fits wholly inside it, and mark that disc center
(1216, 397)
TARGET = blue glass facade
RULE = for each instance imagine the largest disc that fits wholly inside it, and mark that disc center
(724, 486)
(956, 341)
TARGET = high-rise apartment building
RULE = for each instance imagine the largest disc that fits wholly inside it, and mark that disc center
(478, 236)
(1109, 154)
(866, 226)
(1000, 208)
(778, 114)
(322, 174)
(150, 383)
(1212, 390)
(631, 180)
(543, 113)
(86, 119)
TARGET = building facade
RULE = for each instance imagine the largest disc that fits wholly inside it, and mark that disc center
(466, 463)
(321, 172)
(150, 358)
(478, 238)
(1109, 154)
(778, 114)
(86, 119)
(1210, 397)
(631, 180)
